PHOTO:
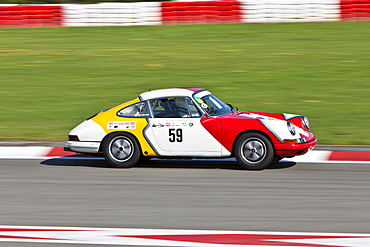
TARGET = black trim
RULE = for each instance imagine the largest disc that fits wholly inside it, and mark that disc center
(199, 91)
(147, 139)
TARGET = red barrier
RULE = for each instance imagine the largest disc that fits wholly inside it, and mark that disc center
(172, 13)
(30, 16)
(201, 12)
(355, 10)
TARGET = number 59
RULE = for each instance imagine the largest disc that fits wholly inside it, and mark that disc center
(175, 135)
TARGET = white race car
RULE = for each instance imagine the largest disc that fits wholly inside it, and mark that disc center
(191, 123)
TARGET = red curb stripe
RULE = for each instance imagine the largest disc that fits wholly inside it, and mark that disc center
(349, 156)
(59, 152)
(244, 239)
(156, 237)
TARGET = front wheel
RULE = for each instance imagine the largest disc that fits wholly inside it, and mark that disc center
(121, 150)
(254, 151)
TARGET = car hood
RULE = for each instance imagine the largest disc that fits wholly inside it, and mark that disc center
(275, 123)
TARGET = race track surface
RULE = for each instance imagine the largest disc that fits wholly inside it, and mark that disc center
(197, 195)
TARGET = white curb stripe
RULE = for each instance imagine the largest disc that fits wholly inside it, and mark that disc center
(311, 156)
(23, 152)
(38, 152)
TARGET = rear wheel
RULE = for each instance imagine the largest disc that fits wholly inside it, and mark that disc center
(121, 150)
(254, 151)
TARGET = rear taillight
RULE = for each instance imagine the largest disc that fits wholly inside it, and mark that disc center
(73, 138)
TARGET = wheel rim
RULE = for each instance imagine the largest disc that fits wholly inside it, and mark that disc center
(121, 149)
(253, 150)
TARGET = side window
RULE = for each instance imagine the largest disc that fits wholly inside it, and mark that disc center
(164, 108)
(176, 107)
(157, 107)
(136, 110)
(194, 112)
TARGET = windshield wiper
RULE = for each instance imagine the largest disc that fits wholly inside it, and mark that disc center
(233, 108)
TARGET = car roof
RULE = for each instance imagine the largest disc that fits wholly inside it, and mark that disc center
(169, 92)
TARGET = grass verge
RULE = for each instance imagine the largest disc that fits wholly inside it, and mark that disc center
(53, 78)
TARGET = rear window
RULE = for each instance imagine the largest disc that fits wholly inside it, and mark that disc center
(136, 110)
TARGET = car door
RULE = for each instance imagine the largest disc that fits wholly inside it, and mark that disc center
(176, 129)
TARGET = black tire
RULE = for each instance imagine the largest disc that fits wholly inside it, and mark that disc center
(276, 159)
(144, 160)
(121, 150)
(254, 151)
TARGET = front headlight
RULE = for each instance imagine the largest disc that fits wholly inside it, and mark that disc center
(291, 128)
(305, 122)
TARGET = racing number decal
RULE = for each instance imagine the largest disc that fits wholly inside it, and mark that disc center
(175, 135)
(184, 137)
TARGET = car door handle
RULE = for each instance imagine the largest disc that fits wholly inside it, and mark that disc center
(158, 125)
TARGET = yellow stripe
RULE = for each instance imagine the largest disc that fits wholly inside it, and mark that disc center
(110, 115)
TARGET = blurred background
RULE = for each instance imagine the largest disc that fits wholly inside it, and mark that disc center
(275, 56)
(61, 63)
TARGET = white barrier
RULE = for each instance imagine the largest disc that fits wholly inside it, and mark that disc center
(112, 14)
(290, 10)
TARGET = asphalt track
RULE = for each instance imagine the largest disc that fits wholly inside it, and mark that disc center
(202, 195)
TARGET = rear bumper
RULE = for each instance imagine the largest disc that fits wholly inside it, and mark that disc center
(290, 150)
(82, 147)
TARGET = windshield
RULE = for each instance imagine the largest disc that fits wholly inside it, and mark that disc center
(211, 104)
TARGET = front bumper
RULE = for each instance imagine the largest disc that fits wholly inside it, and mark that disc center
(82, 147)
(290, 150)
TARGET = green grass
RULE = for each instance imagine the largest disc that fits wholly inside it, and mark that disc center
(53, 78)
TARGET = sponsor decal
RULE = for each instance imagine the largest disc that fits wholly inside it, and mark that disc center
(199, 100)
(179, 123)
(122, 125)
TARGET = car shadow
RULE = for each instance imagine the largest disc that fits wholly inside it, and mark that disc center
(227, 164)
(281, 165)
(97, 162)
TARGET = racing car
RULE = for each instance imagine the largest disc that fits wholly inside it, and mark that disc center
(190, 123)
